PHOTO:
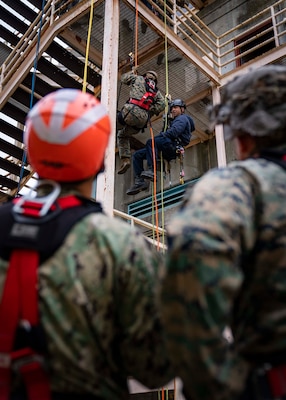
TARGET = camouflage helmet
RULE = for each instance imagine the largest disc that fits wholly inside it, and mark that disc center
(253, 104)
(177, 102)
(155, 75)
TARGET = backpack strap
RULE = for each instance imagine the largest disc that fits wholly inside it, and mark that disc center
(25, 226)
(20, 303)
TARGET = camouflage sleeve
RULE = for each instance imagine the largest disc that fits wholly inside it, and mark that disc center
(158, 105)
(128, 78)
(206, 240)
(124, 299)
(143, 348)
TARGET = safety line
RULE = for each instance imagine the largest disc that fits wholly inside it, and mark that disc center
(153, 142)
(155, 184)
(32, 92)
(84, 83)
(162, 200)
(136, 36)
(166, 119)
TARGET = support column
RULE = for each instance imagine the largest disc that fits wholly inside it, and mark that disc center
(220, 143)
(105, 181)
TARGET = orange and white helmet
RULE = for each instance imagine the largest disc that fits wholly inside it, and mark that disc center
(66, 135)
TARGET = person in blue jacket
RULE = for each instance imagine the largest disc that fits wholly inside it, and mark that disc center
(179, 133)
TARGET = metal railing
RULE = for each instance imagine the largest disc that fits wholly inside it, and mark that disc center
(45, 20)
(228, 51)
(160, 245)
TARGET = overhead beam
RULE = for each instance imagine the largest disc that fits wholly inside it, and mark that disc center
(79, 44)
(199, 4)
(145, 54)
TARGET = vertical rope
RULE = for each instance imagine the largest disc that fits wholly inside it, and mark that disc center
(32, 91)
(166, 113)
(162, 200)
(84, 83)
(155, 185)
(136, 36)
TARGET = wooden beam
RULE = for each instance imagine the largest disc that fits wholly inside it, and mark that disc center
(78, 43)
(145, 54)
(195, 141)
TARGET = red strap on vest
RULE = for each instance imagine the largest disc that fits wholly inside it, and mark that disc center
(139, 103)
(20, 304)
(32, 208)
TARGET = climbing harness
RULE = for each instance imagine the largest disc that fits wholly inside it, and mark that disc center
(36, 228)
(180, 151)
(166, 167)
(148, 97)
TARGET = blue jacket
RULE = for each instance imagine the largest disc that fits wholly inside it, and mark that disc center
(180, 129)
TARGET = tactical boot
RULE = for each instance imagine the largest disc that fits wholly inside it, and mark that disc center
(139, 186)
(149, 175)
(124, 166)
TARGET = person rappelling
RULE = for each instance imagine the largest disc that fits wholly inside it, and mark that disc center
(145, 101)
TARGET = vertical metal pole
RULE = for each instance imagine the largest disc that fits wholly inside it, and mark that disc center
(220, 143)
(105, 181)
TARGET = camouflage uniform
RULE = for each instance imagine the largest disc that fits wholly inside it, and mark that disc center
(226, 268)
(98, 310)
(135, 117)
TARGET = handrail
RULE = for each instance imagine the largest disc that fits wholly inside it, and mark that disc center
(222, 51)
(51, 24)
(136, 221)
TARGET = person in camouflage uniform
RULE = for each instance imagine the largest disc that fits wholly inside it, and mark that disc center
(178, 133)
(97, 291)
(226, 267)
(145, 101)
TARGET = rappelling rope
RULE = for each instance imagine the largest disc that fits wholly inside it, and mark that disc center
(136, 36)
(155, 201)
(84, 83)
(167, 96)
(133, 55)
(32, 91)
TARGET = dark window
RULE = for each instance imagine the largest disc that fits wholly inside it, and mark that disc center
(254, 38)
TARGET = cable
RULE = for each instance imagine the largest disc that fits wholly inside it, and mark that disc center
(166, 119)
(162, 200)
(136, 36)
(84, 83)
(155, 184)
(32, 92)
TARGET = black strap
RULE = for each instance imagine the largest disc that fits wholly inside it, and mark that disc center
(31, 233)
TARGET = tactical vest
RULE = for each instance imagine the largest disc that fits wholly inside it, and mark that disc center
(32, 229)
(148, 97)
